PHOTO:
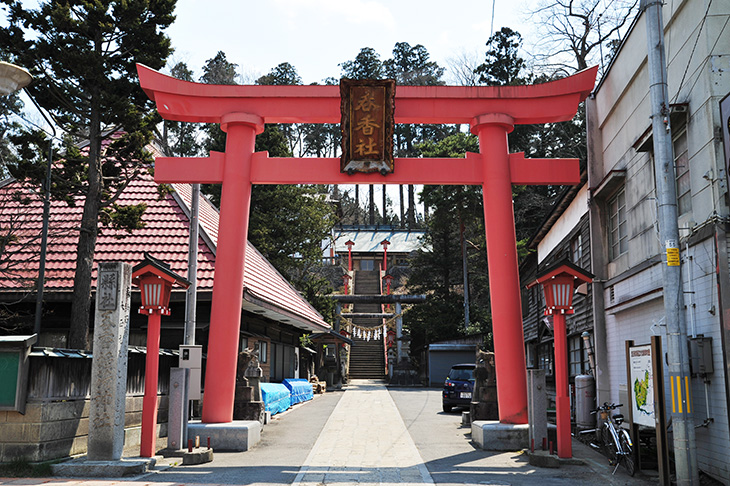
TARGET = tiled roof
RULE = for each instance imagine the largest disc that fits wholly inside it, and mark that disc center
(165, 236)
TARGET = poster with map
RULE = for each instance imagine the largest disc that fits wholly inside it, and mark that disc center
(642, 385)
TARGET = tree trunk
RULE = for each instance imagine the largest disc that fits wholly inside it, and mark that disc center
(81, 304)
(402, 206)
(357, 204)
(371, 211)
(411, 206)
(385, 206)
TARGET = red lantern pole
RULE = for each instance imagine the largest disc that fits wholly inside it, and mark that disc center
(349, 245)
(385, 244)
(562, 398)
(346, 279)
(148, 443)
(558, 283)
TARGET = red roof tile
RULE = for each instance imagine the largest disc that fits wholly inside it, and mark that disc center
(165, 236)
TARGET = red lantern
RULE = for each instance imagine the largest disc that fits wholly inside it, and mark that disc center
(155, 280)
(558, 283)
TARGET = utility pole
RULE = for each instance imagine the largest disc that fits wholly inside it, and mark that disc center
(191, 295)
(677, 353)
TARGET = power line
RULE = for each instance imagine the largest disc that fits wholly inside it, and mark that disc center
(691, 54)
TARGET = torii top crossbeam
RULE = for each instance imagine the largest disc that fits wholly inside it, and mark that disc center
(491, 112)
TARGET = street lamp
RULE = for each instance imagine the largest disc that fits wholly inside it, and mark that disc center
(558, 283)
(155, 281)
(12, 78)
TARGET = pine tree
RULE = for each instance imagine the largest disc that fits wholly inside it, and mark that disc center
(82, 56)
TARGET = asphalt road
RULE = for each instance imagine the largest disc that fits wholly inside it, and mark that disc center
(443, 444)
(276, 459)
(452, 459)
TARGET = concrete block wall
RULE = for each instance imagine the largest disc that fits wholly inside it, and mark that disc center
(57, 429)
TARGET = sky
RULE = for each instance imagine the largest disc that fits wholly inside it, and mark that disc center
(316, 35)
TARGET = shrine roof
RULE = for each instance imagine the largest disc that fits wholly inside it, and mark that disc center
(367, 240)
(164, 236)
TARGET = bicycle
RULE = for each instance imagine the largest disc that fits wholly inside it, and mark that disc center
(615, 440)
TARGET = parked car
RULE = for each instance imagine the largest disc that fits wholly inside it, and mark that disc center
(458, 387)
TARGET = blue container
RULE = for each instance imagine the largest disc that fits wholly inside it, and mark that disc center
(301, 390)
(276, 397)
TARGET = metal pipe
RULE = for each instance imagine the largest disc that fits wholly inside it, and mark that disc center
(191, 293)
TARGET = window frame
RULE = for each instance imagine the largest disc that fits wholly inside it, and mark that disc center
(618, 238)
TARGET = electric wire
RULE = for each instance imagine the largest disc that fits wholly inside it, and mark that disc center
(691, 54)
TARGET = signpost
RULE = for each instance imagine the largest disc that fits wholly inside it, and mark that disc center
(645, 374)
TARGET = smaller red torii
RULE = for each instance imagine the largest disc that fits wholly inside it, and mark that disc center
(491, 112)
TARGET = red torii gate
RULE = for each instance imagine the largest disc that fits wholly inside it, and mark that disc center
(491, 112)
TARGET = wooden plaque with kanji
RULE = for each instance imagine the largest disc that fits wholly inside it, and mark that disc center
(367, 125)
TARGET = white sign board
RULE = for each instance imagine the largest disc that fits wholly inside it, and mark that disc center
(642, 385)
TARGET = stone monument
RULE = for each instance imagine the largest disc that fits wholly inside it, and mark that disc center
(108, 381)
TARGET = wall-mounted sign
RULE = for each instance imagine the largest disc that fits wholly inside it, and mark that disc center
(367, 125)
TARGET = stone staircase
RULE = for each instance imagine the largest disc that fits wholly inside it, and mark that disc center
(367, 359)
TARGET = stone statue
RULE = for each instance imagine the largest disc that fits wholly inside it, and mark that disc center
(244, 358)
(484, 397)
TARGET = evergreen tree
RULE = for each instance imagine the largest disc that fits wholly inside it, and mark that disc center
(184, 135)
(410, 66)
(82, 56)
(454, 212)
(217, 70)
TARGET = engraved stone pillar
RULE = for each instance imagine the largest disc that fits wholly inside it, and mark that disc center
(177, 423)
(537, 405)
(109, 365)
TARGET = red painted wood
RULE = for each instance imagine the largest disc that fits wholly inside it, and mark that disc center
(310, 170)
(206, 103)
(504, 282)
(562, 397)
(225, 318)
(148, 444)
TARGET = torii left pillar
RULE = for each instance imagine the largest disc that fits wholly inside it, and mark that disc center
(504, 284)
(241, 129)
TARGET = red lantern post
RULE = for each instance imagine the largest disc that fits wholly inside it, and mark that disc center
(349, 244)
(346, 280)
(558, 283)
(385, 244)
(155, 281)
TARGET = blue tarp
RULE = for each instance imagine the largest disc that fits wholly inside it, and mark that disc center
(301, 390)
(276, 397)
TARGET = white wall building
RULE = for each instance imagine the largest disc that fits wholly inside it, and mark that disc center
(625, 250)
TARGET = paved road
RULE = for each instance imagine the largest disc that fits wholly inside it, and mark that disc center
(452, 459)
(368, 435)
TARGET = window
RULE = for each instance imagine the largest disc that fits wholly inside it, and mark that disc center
(545, 357)
(577, 361)
(681, 168)
(243, 344)
(367, 265)
(617, 227)
(576, 249)
(263, 351)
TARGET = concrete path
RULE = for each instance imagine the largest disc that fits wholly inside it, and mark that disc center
(364, 441)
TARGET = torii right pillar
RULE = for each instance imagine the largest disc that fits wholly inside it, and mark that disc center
(504, 282)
